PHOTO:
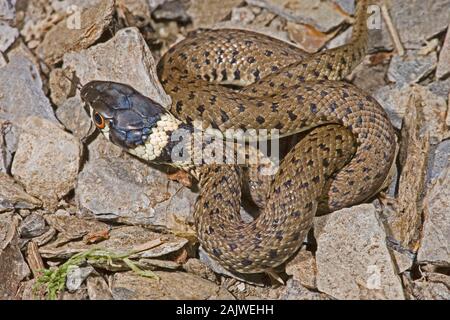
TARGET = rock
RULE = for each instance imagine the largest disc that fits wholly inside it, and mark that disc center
(75, 118)
(295, 291)
(438, 161)
(404, 261)
(353, 261)
(323, 16)
(171, 285)
(303, 269)
(8, 144)
(73, 34)
(98, 288)
(411, 68)
(172, 10)
(7, 10)
(130, 191)
(22, 94)
(33, 226)
(347, 5)
(80, 294)
(13, 268)
(156, 264)
(65, 5)
(198, 268)
(129, 49)
(396, 101)
(76, 276)
(205, 13)
(443, 67)
(435, 244)
(8, 35)
(12, 196)
(440, 88)
(71, 227)
(60, 86)
(308, 38)
(433, 286)
(46, 161)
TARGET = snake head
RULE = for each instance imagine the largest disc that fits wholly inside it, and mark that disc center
(126, 117)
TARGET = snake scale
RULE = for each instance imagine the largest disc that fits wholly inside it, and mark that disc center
(344, 158)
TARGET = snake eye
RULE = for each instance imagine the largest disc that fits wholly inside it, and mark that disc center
(99, 120)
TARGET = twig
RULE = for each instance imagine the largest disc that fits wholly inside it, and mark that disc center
(392, 30)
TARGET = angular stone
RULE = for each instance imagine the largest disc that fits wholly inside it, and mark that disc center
(435, 245)
(295, 291)
(195, 266)
(171, 285)
(131, 191)
(107, 61)
(7, 9)
(72, 227)
(76, 33)
(205, 13)
(411, 68)
(443, 67)
(8, 144)
(433, 286)
(76, 276)
(12, 196)
(46, 161)
(13, 268)
(438, 161)
(8, 35)
(75, 118)
(98, 288)
(303, 269)
(353, 261)
(323, 16)
(22, 94)
(33, 226)
(172, 10)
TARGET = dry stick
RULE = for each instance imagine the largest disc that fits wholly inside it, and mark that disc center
(392, 30)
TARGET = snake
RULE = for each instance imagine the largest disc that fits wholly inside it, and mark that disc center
(225, 79)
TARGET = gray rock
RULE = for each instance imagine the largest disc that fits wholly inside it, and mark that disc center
(47, 160)
(321, 15)
(8, 35)
(172, 10)
(7, 9)
(294, 290)
(347, 5)
(438, 161)
(75, 118)
(435, 245)
(33, 226)
(411, 68)
(64, 5)
(171, 285)
(132, 191)
(12, 196)
(76, 276)
(21, 88)
(8, 144)
(443, 67)
(107, 61)
(433, 286)
(195, 266)
(440, 88)
(72, 34)
(98, 288)
(353, 261)
(13, 268)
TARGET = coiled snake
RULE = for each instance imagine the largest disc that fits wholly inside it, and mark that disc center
(343, 160)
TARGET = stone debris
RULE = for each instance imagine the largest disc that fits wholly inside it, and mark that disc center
(12, 195)
(443, 67)
(47, 161)
(412, 68)
(76, 276)
(33, 226)
(353, 261)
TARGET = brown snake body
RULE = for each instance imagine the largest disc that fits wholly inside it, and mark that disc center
(342, 161)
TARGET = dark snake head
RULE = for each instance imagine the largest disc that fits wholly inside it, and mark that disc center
(125, 116)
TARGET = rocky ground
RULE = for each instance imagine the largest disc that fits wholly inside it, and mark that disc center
(80, 219)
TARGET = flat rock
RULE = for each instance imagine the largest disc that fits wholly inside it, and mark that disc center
(33, 226)
(47, 160)
(72, 227)
(171, 285)
(433, 286)
(440, 88)
(8, 144)
(125, 58)
(443, 67)
(7, 9)
(131, 191)
(74, 117)
(98, 288)
(353, 261)
(68, 36)
(205, 13)
(173, 10)
(303, 269)
(411, 68)
(13, 268)
(12, 195)
(76, 276)
(321, 15)
(8, 35)
(22, 95)
(438, 161)
(294, 290)
(435, 245)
